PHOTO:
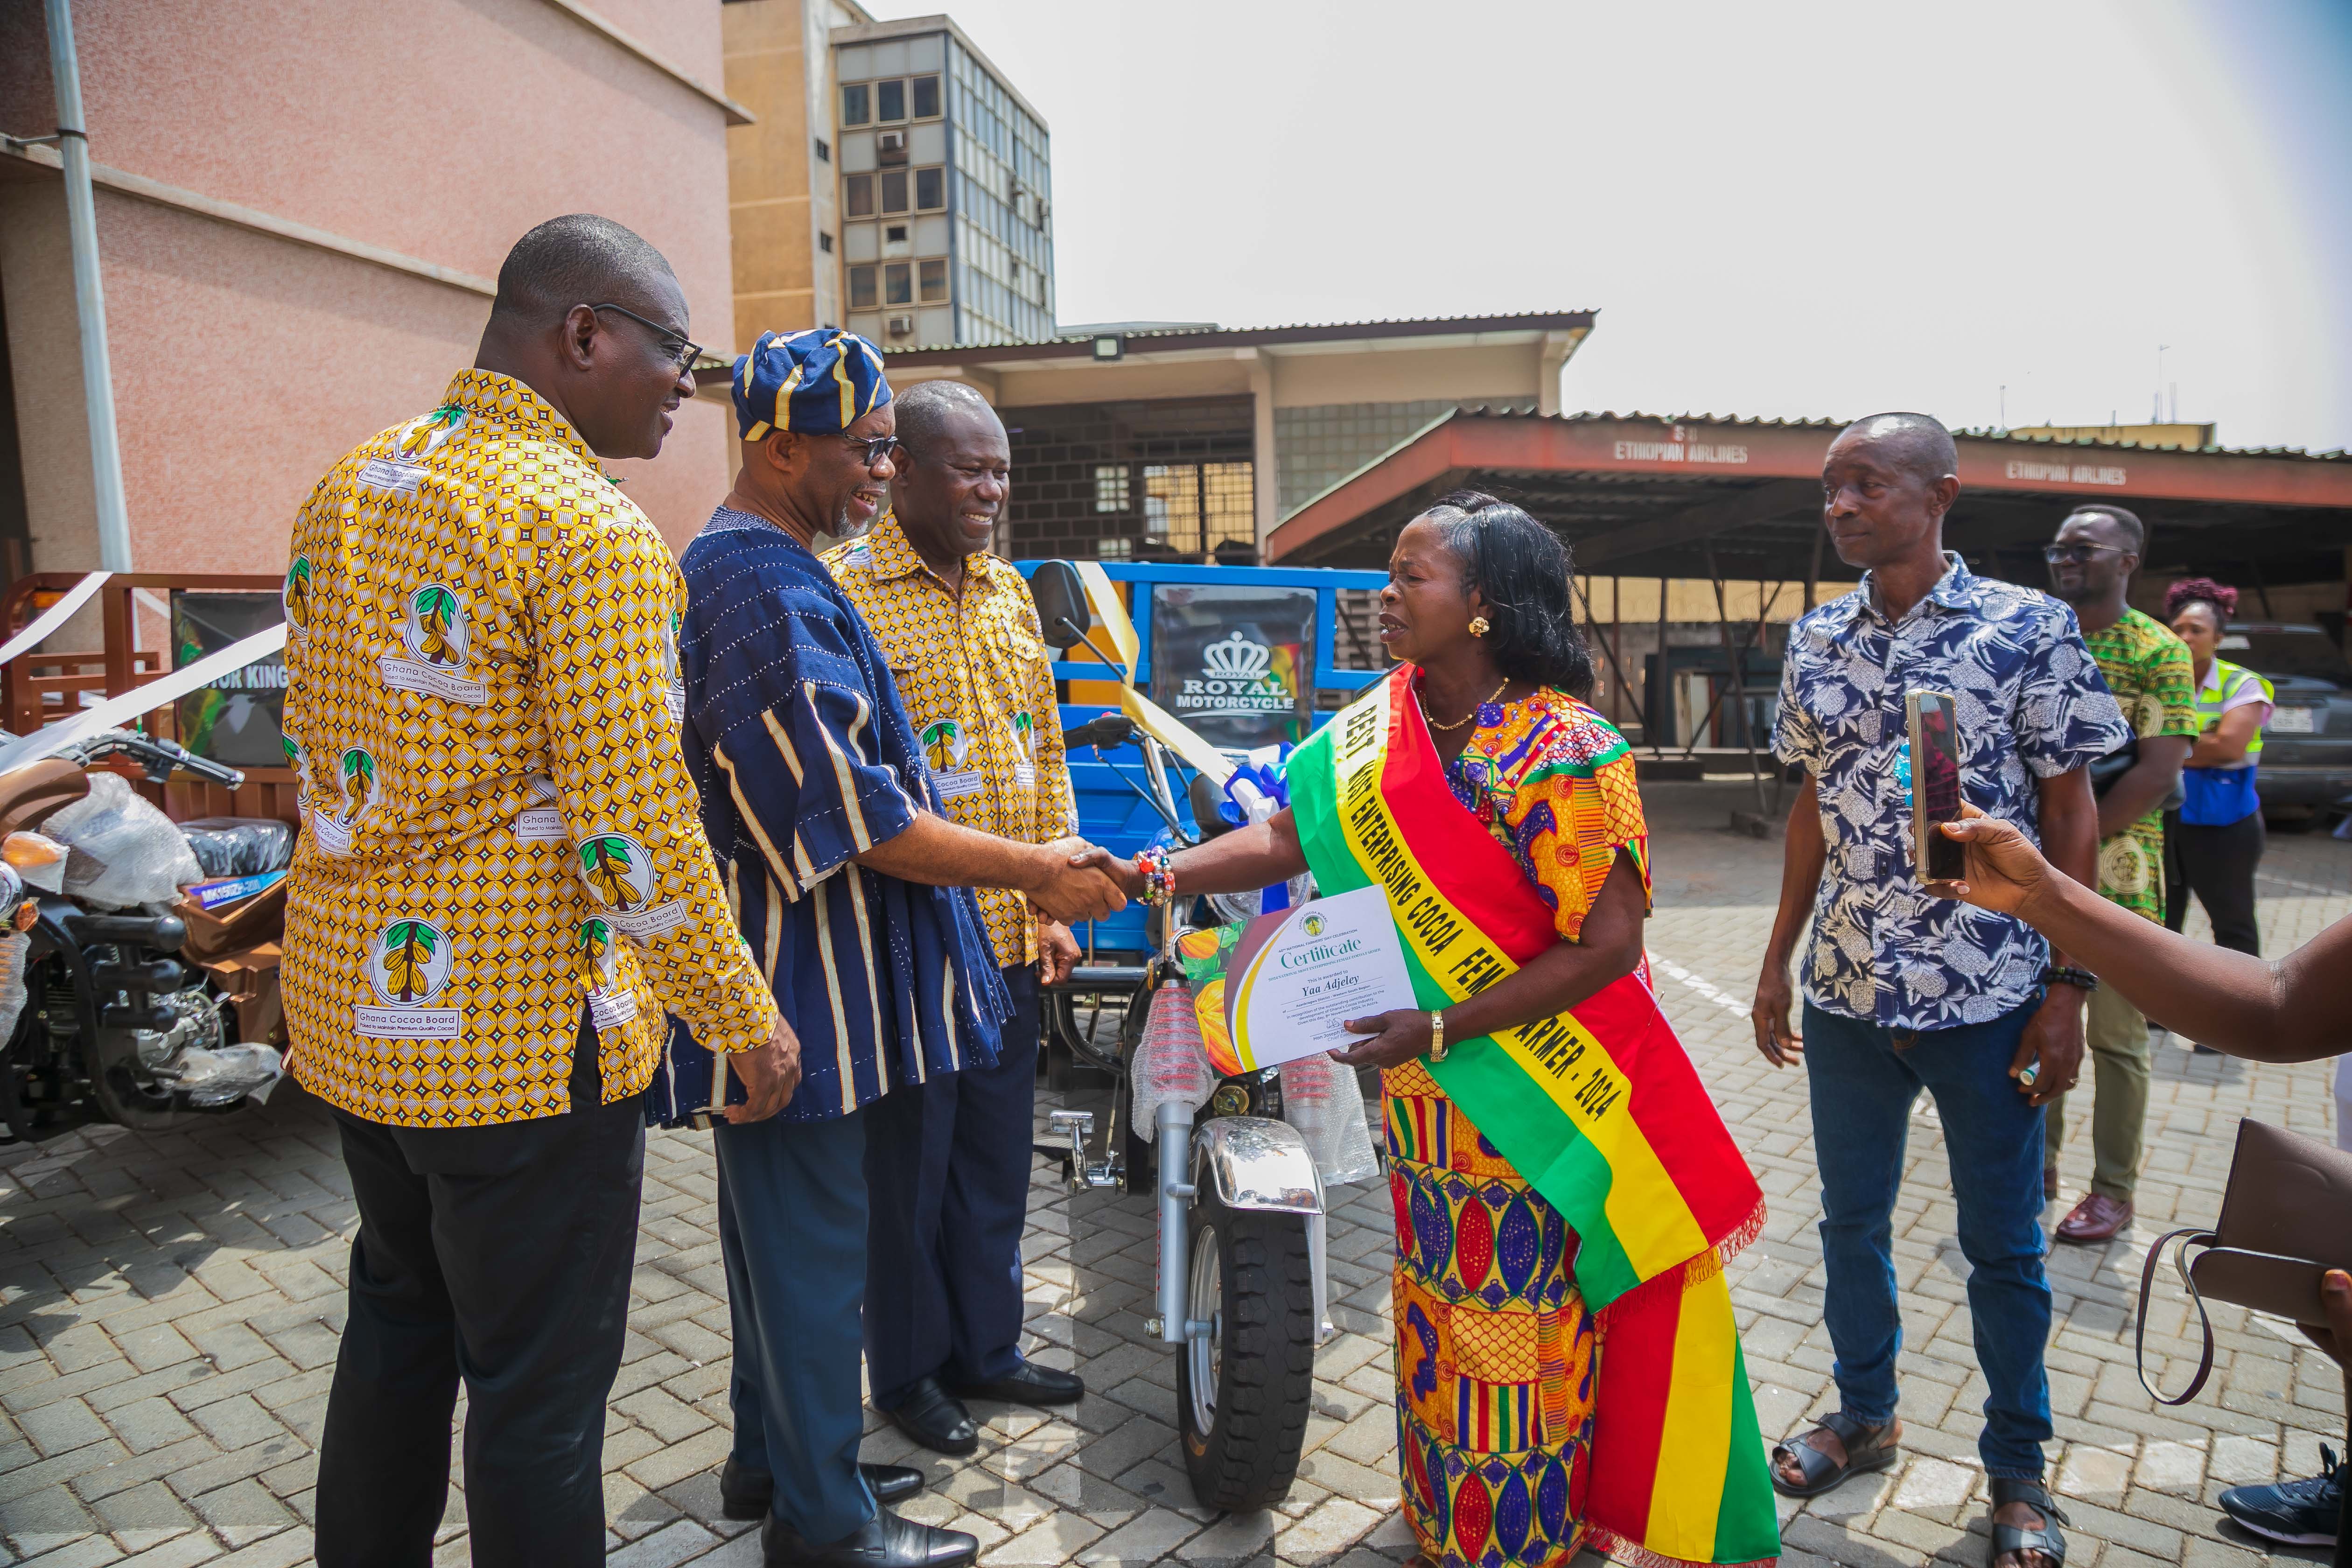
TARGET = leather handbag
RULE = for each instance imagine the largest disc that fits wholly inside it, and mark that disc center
(2286, 1220)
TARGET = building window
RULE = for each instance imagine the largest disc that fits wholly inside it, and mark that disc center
(894, 190)
(898, 284)
(931, 189)
(889, 102)
(823, 151)
(927, 97)
(1110, 486)
(857, 195)
(856, 105)
(894, 234)
(1114, 549)
(824, 242)
(934, 276)
(861, 287)
(1192, 508)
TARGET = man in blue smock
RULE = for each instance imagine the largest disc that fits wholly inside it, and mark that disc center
(852, 893)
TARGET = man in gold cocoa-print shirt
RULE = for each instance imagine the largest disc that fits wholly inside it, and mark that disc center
(503, 884)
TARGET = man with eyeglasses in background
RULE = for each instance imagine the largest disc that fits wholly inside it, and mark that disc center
(2149, 671)
(480, 627)
(949, 1161)
(851, 887)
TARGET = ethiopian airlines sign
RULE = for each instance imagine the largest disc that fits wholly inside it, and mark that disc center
(2068, 473)
(1678, 448)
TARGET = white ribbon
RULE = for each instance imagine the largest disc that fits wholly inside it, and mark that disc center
(118, 711)
(53, 618)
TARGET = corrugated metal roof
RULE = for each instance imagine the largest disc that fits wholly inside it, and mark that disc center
(1987, 434)
(1395, 326)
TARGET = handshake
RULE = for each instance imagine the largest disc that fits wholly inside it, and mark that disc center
(1076, 882)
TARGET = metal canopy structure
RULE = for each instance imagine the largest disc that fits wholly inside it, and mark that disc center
(1704, 497)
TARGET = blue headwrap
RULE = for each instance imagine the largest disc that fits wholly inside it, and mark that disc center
(815, 381)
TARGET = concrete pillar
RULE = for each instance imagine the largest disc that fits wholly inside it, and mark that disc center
(1553, 352)
(1266, 476)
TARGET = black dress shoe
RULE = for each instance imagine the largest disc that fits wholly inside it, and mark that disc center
(746, 1493)
(1028, 1383)
(885, 1540)
(931, 1417)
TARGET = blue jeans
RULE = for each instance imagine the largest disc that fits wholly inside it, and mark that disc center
(1864, 1079)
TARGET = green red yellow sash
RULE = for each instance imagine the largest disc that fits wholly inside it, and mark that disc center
(1600, 1108)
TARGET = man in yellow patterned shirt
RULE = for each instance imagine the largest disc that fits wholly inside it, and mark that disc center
(502, 885)
(948, 1161)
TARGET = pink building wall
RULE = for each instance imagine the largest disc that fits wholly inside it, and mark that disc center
(244, 363)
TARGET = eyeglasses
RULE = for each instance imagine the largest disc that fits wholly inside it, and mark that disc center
(873, 448)
(683, 352)
(2076, 554)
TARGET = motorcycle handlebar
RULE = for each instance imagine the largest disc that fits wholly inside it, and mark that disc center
(159, 757)
(1102, 732)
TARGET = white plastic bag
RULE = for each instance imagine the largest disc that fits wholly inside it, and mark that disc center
(13, 948)
(1171, 1063)
(1319, 1098)
(124, 852)
(227, 1074)
(38, 859)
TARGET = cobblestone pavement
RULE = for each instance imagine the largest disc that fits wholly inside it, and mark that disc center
(169, 1308)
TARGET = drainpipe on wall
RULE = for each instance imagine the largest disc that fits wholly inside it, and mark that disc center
(89, 298)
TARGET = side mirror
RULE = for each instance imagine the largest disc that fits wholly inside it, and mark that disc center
(1062, 611)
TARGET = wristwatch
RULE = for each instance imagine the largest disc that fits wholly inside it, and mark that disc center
(2067, 974)
(1437, 1034)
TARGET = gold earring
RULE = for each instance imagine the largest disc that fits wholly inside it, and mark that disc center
(1478, 626)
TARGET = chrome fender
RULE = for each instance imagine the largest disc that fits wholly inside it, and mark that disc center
(1257, 1163)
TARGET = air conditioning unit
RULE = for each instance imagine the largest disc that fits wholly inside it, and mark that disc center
(902, 326)
(890, 146)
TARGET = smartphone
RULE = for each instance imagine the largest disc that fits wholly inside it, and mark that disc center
(1935, 784)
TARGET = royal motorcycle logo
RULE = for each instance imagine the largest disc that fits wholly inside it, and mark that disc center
(1239, 675)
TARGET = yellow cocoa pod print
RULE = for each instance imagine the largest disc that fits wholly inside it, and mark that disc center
(592, 949)
(607, 863)
(408, 949)
(437, 637)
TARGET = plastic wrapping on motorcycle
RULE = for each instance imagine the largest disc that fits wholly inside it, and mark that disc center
(125, 851)
(13, 948)
(240, 845)
(1321, 1097)
(1257, 1162)
(36, 857)
(1170, 1062)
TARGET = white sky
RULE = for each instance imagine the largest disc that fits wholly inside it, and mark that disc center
(1793, 209)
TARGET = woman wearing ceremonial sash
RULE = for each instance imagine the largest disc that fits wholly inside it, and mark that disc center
(1568, 1371)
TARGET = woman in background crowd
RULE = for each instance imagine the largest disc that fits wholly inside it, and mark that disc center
(2213, 842)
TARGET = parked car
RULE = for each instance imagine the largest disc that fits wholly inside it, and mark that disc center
(2306, 764)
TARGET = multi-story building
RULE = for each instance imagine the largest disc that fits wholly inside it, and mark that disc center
(895, 184)
(342, 243)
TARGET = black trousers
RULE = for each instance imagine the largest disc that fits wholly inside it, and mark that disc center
(499, 1255)
(2218, 865)
(946, 1166)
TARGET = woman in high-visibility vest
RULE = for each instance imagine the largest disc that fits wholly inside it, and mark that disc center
(2215, 840)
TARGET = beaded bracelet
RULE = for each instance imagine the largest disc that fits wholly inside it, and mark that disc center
(1159, 877)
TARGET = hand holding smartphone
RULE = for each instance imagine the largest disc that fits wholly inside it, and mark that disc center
(1934, 737)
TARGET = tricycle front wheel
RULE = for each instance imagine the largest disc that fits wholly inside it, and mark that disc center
(1245, 1387)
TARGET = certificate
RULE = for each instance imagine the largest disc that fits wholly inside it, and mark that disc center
(1278, 987)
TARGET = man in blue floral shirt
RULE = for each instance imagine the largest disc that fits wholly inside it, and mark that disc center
(1904, 992)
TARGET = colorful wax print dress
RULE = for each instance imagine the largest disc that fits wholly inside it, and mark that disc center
(1495, 1346)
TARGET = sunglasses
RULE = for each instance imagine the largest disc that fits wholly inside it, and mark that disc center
(2076, 554)
(872, 448)
(683, 352)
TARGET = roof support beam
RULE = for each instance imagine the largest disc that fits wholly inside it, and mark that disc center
(1695, 524)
